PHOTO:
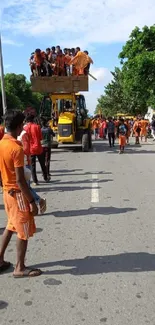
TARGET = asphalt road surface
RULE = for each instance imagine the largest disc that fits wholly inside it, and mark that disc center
(96, 244)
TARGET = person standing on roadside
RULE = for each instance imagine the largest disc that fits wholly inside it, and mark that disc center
(95, 124)
(18, 200)
(47, 137)
(122, 133)
(36, 150)
(111, 132)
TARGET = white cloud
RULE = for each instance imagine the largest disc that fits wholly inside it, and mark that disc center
(73, 22)
(7, 66)
(77, 23)
(101, 74)
(11, 42)
(96, 88)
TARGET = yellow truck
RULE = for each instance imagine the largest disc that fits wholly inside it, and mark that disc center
(69, 114)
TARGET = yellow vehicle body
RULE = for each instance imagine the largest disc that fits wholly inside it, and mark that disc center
(71, 128)
(66, 118)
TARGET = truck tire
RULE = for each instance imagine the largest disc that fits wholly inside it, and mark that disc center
(85, 142)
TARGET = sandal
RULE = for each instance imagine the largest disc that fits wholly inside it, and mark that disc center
(5, 266)
(43, 206)
(28, 273)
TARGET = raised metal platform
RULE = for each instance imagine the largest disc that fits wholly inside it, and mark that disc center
(55, 84)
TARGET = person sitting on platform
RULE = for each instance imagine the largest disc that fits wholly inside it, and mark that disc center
(87, 68)
(67, 61)
(32, 64)
(39, 58)
(60, 64)
(80, 62)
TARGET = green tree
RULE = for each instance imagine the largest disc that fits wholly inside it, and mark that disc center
(113, 101)
(19, 93)
(138, 68)
(133, 87)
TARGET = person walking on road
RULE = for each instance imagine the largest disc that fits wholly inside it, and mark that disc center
(153, 128)
(36, 150)
(25, 141)
(95, 124)
(111, 132)
(122, 133)
(137, 130)
(47, 135)
(18, 200)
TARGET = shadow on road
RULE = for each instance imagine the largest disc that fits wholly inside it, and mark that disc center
(127, 262)
(86, 181)
(80, 174)
(132, 148)
(92, 211)
(2, 230)
(1, 206)
(64, 188)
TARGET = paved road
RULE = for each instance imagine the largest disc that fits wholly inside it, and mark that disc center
(96, 244)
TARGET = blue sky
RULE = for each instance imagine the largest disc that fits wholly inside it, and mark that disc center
(102, 27)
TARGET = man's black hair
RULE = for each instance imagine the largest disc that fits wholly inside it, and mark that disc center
(13, 119)
(78, 48)
(48, 49)
(86, 52)
(30, 118)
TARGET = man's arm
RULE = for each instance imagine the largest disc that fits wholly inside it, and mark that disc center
(20, 179)
(18, 159)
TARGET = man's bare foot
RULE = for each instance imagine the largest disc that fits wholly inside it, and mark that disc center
(27, 273)
(42, 205)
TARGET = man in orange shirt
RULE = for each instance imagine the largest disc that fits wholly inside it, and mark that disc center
(144, 127)
(80, 61)
(18, 200)
(39, 59)
(87, 68)
(137, 129)
(95, 124)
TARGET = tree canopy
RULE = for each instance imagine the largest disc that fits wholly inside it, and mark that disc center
(132, 88)
(19, 93)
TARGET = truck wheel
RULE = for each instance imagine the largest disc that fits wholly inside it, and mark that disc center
(85, 142)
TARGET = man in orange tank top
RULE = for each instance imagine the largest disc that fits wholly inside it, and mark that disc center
(19, 203)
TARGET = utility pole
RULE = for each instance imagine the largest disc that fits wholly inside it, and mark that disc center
(4, 105)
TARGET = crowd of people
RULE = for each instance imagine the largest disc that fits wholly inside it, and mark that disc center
(22, 141)
(58, 62)
(122, 129)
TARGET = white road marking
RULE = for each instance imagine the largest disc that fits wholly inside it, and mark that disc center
(95, 189)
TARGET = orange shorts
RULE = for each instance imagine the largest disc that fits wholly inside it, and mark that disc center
(143, 133)
(122, 140)
(20, 219)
